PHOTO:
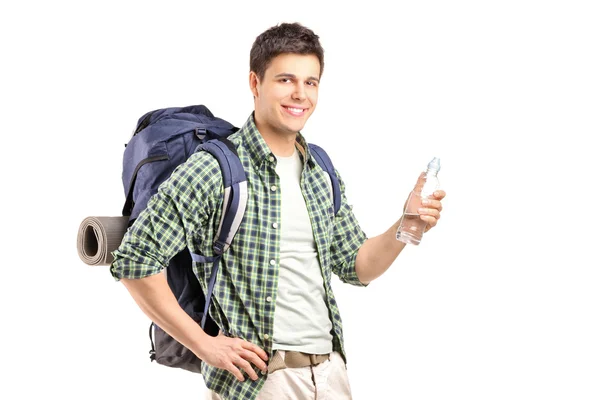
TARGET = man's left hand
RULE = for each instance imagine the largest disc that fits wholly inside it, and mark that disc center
(431, 209)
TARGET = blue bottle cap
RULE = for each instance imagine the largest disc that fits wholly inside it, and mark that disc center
(434, 165)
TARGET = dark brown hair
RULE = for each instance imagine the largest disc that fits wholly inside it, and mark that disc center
(281, 39)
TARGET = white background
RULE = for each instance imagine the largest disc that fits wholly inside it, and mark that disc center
(500, 301)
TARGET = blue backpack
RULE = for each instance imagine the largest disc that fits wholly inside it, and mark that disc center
(164, 139)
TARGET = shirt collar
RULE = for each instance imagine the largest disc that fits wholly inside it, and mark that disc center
(259, 150)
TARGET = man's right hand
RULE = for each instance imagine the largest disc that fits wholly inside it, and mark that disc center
(233, 353)
(155, 298)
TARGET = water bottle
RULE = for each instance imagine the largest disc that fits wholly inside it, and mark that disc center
(412, 226)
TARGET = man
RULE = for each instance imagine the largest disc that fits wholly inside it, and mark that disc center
(281, 332)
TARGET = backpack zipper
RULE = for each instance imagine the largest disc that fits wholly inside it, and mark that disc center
(129, 200)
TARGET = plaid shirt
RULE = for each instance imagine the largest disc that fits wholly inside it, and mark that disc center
(186, 212)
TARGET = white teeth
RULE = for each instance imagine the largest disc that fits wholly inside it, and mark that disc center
(296, 110)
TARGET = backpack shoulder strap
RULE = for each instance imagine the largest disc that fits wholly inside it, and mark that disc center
(325, 162)
(235, 190)
(235, 193)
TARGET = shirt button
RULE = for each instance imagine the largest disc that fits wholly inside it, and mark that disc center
(269, 298)
(263, 372)
(272, 262)
(271, 158)
(275, 225)
(273, 188)
(266, 336)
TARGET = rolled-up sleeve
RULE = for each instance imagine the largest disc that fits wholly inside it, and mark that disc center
(347, 239)
(180, 206)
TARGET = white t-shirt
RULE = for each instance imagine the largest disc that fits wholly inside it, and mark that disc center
(302, 321)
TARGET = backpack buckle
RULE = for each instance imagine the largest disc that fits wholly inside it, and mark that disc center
(200, 133)
(219, 247)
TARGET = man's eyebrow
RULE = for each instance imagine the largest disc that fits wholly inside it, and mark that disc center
(288, 75)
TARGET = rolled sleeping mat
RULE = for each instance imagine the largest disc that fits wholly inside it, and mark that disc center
(98, 237)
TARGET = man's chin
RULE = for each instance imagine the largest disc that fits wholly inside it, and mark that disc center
(295, 126)
(296, 129)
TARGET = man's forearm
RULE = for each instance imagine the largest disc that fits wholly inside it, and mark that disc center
(377, 254)
(154, 296)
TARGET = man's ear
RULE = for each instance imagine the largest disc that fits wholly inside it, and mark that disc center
(254, 83)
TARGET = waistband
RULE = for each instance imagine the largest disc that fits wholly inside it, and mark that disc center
(295, 359)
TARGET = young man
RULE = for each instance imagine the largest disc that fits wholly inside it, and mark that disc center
(281, 332)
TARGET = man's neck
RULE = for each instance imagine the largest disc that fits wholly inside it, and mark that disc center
(281, 143)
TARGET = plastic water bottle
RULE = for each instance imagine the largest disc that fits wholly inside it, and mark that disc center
(412, 226)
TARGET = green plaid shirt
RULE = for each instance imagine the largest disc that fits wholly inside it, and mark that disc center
(186, 212)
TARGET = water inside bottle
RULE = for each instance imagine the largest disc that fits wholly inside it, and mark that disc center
(411, 229)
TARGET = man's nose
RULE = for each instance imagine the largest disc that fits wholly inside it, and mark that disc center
(299, 92)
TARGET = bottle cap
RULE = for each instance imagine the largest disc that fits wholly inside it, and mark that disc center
(434, 165)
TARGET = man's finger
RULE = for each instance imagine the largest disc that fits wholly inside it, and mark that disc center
(430, 203)
(235, 371)
(430, 212)
(245, 365)
(430, 220)
(254, 359)
(420, 181)
(254, 348)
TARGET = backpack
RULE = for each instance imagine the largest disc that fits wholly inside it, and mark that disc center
(162, 140)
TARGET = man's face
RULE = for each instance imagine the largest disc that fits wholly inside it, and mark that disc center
(287, 95)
